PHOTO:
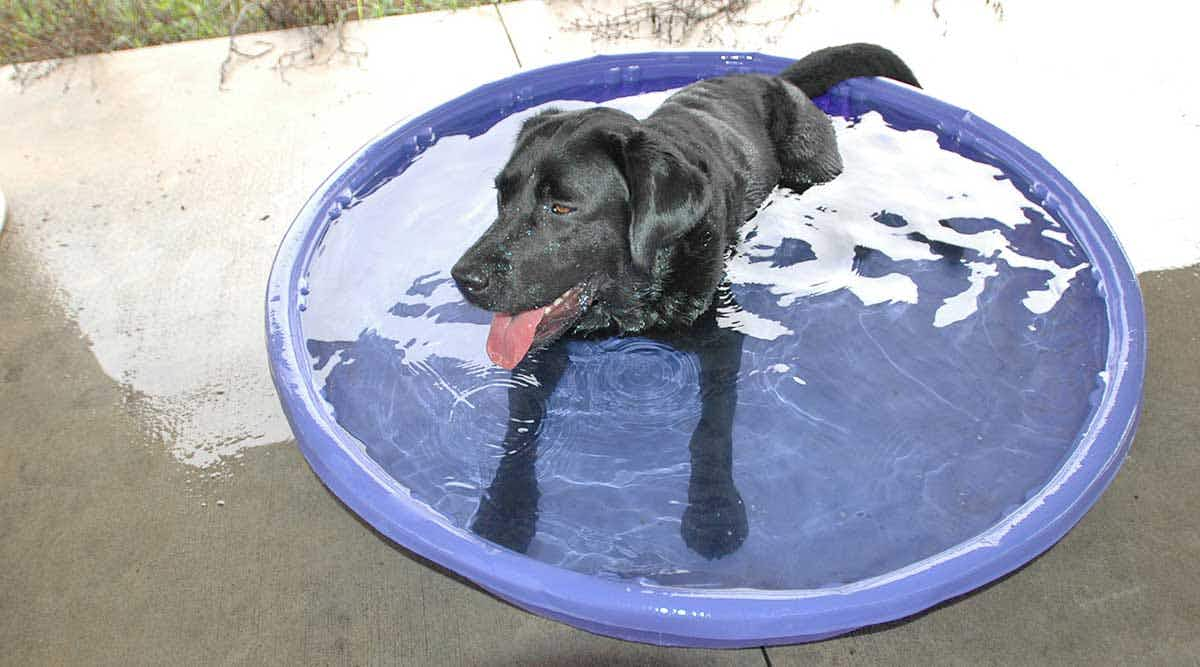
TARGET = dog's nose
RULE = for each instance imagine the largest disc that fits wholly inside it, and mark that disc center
(470, 279)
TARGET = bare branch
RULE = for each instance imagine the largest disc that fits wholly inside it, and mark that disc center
(677, 21)
(322, 41)
(266, 47)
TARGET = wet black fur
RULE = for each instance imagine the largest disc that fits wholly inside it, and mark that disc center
(657, 203)
(655, 209)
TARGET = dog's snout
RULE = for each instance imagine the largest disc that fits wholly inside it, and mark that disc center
(471, 279)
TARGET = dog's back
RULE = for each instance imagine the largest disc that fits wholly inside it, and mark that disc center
(755, 132)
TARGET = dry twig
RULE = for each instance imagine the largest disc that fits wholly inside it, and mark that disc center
(678, 21)
(318, 47)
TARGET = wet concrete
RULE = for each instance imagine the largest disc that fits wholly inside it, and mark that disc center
(113, 552)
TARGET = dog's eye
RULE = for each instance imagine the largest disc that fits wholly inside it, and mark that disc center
(560, 209)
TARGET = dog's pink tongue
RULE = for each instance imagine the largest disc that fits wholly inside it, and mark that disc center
(512, 335)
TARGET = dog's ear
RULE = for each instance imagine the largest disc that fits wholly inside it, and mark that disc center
(531, 125)
(667, 195)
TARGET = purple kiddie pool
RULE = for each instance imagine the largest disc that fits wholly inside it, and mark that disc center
(942, 355)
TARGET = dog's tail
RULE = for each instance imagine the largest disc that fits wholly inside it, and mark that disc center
(821, 70)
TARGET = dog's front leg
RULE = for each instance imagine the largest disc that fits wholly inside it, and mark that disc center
(714, 523)
(508, 510)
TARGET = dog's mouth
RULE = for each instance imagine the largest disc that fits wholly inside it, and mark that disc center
(513, 335)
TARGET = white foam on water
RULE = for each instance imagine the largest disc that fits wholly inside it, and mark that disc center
(909, 175)
(1056, 235)
(960, 306)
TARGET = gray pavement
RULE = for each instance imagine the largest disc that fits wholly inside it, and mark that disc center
(150, 516)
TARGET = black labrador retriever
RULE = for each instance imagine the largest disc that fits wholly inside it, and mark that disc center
(610, 226)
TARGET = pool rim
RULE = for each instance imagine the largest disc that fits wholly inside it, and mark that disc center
(703, 617)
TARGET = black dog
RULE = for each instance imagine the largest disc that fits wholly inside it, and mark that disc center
(608, 226)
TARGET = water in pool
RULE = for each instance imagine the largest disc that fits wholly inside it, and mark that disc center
(905, 382)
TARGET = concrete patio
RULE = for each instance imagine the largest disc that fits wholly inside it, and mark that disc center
(154, 509)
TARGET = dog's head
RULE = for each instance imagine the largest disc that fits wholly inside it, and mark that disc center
(591, 207)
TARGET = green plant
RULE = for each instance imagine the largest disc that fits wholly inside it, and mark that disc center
(33, 30)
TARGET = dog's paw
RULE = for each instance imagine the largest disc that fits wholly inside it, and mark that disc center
(508, 519)
(714, 523)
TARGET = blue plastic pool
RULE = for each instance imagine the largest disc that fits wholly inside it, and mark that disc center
(941, 369)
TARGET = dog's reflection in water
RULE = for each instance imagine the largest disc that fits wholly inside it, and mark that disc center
(714, 522)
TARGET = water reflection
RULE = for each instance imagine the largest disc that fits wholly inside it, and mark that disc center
(714, 520)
